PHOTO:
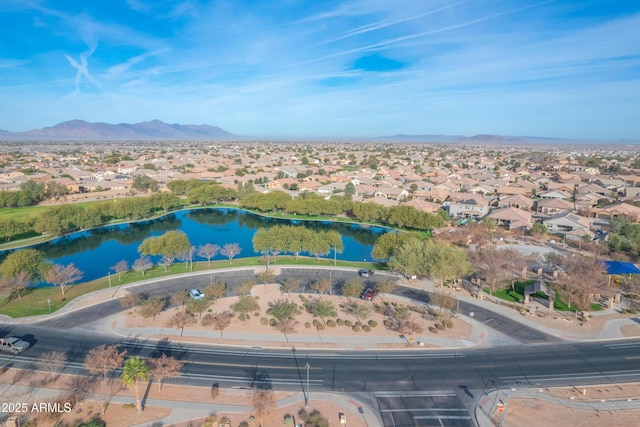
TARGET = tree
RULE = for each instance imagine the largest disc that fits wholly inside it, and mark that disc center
(134, 371)
(164, 367)
(359, 310)
(10, 228)
(321, 285)
(334, 239)
(289, 284)
(580, 275)
(16, 283)
(197, 306)
(352, 288)
(30, 261)
(170, 245)
(180, 320)
(245, 305)
(142, 264)
(539, 229)
(215, 290)
(230, 250)
(152, 307)
(180, 298)
(245, 287)
(63, 275)
(130, 300)
(52, 362)
(208, 251)
(263, 401)
(144, 183)
(219, 321)
(349, 190)
(385, 286)
(121, 267)
(104, 359)
(322, 309)
(283, 309)
(265, 277)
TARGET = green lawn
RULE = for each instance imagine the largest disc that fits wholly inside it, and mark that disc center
(517, 295)
(33, 301)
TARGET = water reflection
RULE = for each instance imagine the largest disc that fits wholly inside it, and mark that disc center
(96, 251)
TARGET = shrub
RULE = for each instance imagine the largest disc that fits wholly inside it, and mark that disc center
(307, 325)
(632, 311)
(356, 328)
(215, 390)
(440, 326)
(387, 323)
(264, 321)
(320, 326)
(243, 424)
(273, 322)
(449, 324)
(433, 330)
(210, 421)
(348, 323)
(340, 322)
(358, 323)
(316, 322)
(128, 406)
(373, 323)
(331, 323)
(366, 328)
(256, 314)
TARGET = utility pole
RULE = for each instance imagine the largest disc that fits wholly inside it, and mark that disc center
(306, 396)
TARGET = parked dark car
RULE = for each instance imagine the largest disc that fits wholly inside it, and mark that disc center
(365, 272)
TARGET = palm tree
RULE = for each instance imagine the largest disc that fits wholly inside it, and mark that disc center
(135, 370)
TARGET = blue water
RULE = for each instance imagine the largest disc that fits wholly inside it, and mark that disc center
(95, 252)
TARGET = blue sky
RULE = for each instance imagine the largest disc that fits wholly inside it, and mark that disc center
(313, 68)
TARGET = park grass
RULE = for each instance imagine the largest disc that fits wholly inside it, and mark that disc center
(516, 295)
(33, 301)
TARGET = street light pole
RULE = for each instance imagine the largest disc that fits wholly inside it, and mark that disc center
(306, 396)
(329, 282)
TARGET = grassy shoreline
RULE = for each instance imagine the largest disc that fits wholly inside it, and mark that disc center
(44, 300)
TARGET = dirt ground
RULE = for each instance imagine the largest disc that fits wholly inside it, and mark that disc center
(536, 412)
(270, 293)
(119, 414)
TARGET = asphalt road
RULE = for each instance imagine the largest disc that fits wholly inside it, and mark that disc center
(306, 276)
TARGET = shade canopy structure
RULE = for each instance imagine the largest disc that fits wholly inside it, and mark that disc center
(621, 268)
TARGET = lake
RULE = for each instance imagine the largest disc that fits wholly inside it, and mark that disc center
(96, 251)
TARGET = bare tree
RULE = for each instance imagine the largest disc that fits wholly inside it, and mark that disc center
(180, 298)
(246, 286)
(142, 264)
(152, 307)
(186, 256)
(221, 321)
(130, 300)
(208, 251)
(385, 286)
(289, 284)
(263, 401)
(180, 320)
(52, 362)
(103, 360)
(121, 267)
(16, 283)
(63, 275)
(321, 284)
(215, 290)
(352, 288)
(230, 250)
(359, 310)
(581, 274)
(164, 367)
(265, 277)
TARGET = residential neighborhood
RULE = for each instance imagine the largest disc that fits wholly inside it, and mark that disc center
(573, 191)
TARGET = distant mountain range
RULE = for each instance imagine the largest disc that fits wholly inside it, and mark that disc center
(79, 130)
